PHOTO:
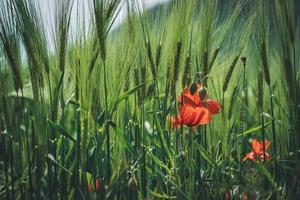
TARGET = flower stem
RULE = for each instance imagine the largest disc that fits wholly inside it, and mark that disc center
(273, 121)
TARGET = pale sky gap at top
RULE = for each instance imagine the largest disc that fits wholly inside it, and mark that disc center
(81, 12)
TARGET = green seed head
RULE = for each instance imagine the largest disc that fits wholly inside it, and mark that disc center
(244, 59)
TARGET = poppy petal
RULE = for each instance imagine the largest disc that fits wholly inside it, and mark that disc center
(256, 146)
(191, 116)
(213, 106)
(250, 156)
(188, 99)
(183, 113)
(187, 115)
(203, 116)
(268, 157)
(267, 144)
(176, 122)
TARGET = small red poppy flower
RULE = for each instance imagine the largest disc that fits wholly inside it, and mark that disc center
(257, 151)
(246, 196)
(196, 108)
(90, 188)
(227, 196)
(97, 185)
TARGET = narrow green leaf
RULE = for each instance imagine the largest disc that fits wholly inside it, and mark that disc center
(162, 196)
(61, 130)
(159, 162)
(125, 95)
(123, 140)
(101, 118)
(253, 130)
(87, 174)
(163, 141)
(112, 124)
(51, 158)
(206, 156)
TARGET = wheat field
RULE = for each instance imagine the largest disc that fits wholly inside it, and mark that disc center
(195, 99)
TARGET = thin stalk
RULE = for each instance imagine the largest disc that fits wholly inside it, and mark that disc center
(243, 102)
(108, 170)
(156, 95)
(226, 81)
(37, 177)
(273, 121)
(296, 109)
(63, 173)
(78, 127)
(48, 143)
(78, 149)
(263, 135)
(28, 150)
(143, 170)
(11, 157)
(204, 128)
(223, 106)
(5, 165)
(261, 108)
(205, 140)
(205, 66)
(198, 181)
(18, 138)
(43, 112)
(176, 137)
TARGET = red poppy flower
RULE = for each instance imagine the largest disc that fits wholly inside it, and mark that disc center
(196, 109)
(246, 196)
(90, 188)
(97, 185)
(227, 196)
(257, 151)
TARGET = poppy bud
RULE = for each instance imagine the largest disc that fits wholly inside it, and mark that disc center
(193, 88)
(244, 59)
(97, 185)
(132, 183)
(90, 188)
(202, 93)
